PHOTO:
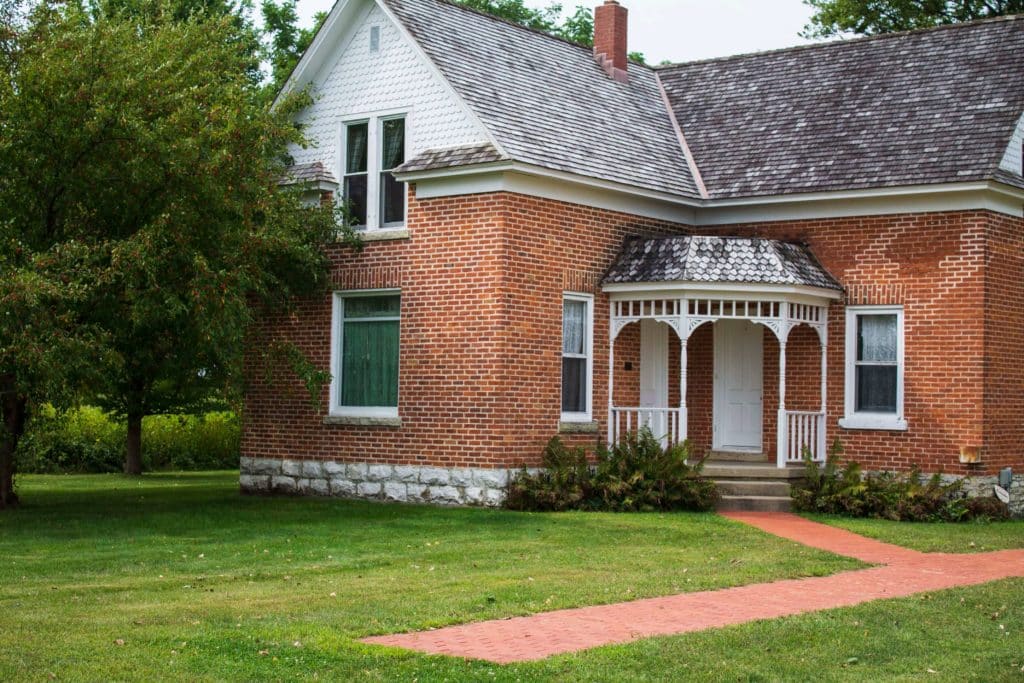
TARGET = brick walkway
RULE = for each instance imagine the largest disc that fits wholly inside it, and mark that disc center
(904, 572)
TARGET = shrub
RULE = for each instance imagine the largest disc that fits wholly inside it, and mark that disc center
(87, 440)
(845, 490)
(635, 474)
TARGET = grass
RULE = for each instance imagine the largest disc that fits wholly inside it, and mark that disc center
(968, 537)
(177, 577)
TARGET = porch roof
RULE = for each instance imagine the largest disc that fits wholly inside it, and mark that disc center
(704, 258)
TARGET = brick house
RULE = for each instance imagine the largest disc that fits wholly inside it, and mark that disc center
(760, 254)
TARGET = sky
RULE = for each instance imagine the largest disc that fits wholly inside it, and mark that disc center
(685, 30)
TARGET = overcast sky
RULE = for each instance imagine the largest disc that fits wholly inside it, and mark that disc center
(684, 30)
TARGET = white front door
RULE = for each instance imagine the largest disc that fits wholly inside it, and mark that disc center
(654, 375)
(739, 382)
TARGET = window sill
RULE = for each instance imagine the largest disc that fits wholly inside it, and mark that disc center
(879, 422)
(565, 427)
(383, 234)
(362, 421)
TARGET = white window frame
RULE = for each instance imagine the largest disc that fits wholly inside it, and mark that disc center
(374, 141)
(872, 420)
(337, 320)
(588, 346)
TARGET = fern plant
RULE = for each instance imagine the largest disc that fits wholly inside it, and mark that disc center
(635, 474)
(841, 488)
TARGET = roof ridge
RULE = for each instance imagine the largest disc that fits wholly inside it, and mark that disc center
(530, 29)
(784, 264)
(843, 41)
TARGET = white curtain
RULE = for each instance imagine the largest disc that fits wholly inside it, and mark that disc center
(877, 338)
(573, 325)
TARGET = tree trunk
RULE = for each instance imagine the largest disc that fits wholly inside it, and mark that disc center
(133, 459)
(14, 413)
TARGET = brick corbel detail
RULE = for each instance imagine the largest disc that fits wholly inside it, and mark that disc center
(386, 277)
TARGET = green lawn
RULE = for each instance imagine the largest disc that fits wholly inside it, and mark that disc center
(969, 537)
(176, 576)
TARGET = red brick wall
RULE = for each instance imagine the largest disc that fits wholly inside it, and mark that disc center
(482, 279)
(1004, 343)
(932, 264)
(556, 247)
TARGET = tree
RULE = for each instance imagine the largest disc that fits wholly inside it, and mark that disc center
(42, 283)
(241, 33)
(143, 217)
(872, 17)
(287, 42)
(577, 28)
(543, 19)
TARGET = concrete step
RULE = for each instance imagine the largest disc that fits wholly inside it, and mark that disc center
(721, 469)
(731, 456)
(755, 503)
(760, 487)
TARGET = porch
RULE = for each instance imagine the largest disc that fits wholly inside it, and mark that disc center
(714, 315)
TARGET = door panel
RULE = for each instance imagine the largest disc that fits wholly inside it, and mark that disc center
(739, 383)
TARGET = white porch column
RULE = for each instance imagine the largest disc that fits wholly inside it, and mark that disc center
(683, 419)
(823, 426)
(684, 336)
(781, 436)
(823, 420)
(611, 375)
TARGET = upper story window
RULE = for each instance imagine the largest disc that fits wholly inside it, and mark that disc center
(374, 147)
(577, 357)
(874, 368)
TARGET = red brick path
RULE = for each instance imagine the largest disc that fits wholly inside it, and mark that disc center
(904, 572)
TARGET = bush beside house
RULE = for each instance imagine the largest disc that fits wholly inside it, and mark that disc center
(87, 440)
(843, 489)
(635, 474)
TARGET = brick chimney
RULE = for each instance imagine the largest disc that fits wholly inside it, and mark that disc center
(610, 28)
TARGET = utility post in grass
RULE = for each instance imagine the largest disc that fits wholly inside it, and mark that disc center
(142, 212)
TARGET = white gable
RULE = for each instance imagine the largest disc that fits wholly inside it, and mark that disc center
(1012, 159)
(355, 81)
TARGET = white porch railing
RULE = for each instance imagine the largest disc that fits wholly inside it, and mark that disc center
(665, 423)
(803, 429)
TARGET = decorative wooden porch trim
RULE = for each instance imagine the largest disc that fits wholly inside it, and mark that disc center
(797, 430)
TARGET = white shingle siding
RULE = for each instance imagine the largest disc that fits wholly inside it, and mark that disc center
(1012, 159)
(358, 81)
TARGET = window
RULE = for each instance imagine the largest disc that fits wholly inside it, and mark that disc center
(577, 357)
(365, 354)
(874, 368)
(372, 148)
(356, 176)
(392, 192)
(375, 39)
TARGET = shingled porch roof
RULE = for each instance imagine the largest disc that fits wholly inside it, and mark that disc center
(710, 259)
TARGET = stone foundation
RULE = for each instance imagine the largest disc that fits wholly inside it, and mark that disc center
(368, 481)
(980, 486)
(452, 485)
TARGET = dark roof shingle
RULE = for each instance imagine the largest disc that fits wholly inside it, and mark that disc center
(547, 102)
(932, 106)
(307, 173)
(699, 258)
(451, 157)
